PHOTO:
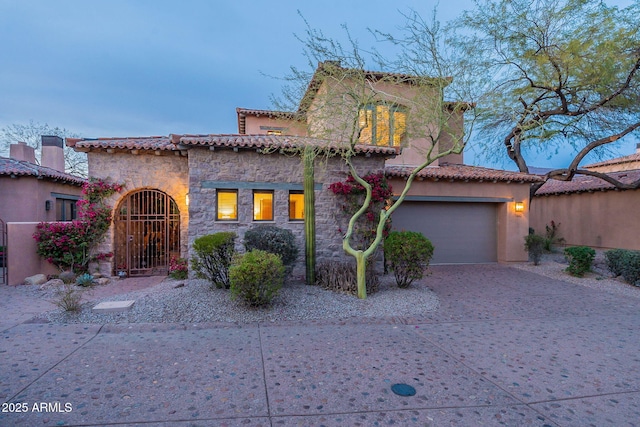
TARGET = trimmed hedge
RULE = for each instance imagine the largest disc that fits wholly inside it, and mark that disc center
(256, 277)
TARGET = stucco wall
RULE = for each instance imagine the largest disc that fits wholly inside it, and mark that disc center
(22, 199)
(256, 126)
(22, 259)
(601, 219)
(512, 227)
(249, 170)
(167, 172)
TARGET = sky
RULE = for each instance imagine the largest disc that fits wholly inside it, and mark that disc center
(116, 68)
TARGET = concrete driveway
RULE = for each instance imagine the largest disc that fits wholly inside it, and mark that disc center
(506, 347)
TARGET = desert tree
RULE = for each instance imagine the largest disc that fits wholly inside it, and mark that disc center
(31, 133)
(344, 107)
(552, 74)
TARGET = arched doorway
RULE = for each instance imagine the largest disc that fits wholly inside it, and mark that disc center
(147, 233)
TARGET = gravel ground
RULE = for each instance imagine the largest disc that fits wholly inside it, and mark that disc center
(193, 301)
(196, 302)
(553, 266)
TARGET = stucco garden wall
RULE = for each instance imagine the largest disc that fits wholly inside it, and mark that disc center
(167, 172)
(606, 220)
(247, 171)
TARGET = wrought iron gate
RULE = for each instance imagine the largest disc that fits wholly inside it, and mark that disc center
(147, 233)
(3, 253)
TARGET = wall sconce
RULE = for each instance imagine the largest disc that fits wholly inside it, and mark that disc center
(519, 207)
(47, 205)
(187, 199)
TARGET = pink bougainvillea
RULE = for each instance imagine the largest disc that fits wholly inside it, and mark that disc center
(69, 245)
(354, 195)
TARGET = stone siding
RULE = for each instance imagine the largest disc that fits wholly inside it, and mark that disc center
(247, 171)
(167, 172)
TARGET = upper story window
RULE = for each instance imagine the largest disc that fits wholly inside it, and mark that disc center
(382, 124)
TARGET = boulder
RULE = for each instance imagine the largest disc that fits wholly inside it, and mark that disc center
(37, 279)
(67, 277)
(51, 284)
(102, 281)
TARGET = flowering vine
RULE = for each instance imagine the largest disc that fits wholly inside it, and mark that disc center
(70, 245)
(354, 195)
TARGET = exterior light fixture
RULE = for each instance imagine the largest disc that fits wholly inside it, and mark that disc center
(187, 199)
(519, 207)
(47, 205)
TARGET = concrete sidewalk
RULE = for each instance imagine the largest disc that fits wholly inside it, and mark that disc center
(506, 347)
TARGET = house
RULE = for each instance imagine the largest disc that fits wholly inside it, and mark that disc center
(180, 187)
(590, 211)
(32, 193)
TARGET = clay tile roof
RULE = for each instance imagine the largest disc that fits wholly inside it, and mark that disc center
(618, 160)
(585, 183)
(463, 173)
(12, 167)
(128, 143)
(275, 142)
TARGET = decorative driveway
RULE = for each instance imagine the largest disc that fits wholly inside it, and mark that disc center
(506, 347)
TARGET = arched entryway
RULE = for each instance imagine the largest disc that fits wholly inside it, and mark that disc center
(147, 233)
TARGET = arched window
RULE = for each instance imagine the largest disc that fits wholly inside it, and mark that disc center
(382, 124)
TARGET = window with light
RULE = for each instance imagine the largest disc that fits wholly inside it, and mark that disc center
(296, 206)
(263, 205)
(227, 205)
(382, 124)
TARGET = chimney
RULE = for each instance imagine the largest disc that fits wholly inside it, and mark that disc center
(52, 153)
(21, 151)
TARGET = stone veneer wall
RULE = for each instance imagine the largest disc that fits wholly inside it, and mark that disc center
(167, 172)
(248, 170)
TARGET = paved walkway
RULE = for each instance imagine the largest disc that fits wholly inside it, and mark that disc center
(506, 347)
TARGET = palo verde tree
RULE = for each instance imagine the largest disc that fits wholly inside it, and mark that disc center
(553, 73)
(31, 134)
(345, 107)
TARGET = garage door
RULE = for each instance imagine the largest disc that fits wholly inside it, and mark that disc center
(460, 232)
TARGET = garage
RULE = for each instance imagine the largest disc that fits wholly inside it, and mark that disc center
(461, 232)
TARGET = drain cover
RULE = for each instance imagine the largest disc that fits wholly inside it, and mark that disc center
(403, 390)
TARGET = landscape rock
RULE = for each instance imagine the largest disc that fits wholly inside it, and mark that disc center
(37, 279)
(67, 276)
(102, 281)
(51, 284)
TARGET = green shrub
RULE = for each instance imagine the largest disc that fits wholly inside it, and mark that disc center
(68, 297)
(85, 280)
(534, 244)
(551, 236)
(580, 260)
(408, 254)
(212, 257)
(256, 277)
(341, 277)
(272, 239)
(631, 267)
(615, 260)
